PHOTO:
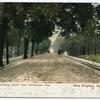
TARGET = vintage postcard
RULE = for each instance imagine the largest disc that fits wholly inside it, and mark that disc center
(50, 49)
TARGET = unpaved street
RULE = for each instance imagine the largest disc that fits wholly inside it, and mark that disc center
(49, 68)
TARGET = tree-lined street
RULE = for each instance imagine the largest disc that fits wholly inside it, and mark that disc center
(25, 28)
(33, 37)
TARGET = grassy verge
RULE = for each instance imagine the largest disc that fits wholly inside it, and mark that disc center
(11, 60)
(91, 57)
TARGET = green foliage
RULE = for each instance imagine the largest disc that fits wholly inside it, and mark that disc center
(91, 57)
(35, 22)
(43, 46)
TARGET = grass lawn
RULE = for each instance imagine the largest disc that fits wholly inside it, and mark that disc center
(91, 57)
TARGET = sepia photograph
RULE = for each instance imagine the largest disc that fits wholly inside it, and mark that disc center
(46, 44)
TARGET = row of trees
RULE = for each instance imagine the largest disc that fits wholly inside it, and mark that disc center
(25, 23)
(22, 23)
(82, 35)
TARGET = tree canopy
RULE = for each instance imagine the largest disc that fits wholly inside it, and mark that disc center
(25, 24)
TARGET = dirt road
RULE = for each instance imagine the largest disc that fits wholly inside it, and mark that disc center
(49, 68)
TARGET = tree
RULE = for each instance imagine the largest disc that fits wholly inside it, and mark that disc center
(3, 29)
(41, 25)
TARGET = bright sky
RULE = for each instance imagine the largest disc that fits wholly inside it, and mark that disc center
(55, 40)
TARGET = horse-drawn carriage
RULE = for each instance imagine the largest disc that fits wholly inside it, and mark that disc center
(60, 52)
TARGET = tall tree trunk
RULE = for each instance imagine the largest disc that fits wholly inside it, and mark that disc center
(1, 51)
(32, 49)
(88, 49)
(3, 31)
(26, 43)
(11, 48)
(7, 50)
(18, 50)
(36, 50)
(80, 51)
(4, 53)
(83, 50)
(74, 51)
(95, 49)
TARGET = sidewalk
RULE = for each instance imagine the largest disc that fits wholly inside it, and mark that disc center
(94, 65)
